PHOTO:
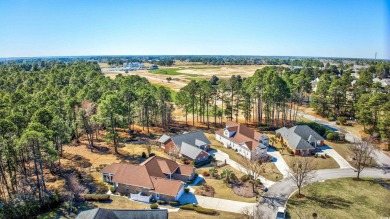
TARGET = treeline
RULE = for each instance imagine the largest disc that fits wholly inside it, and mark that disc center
(270, 97)
(339, 97)
(46, 107)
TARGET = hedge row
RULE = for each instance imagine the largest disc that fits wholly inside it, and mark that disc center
(96, 197)
(198, 209)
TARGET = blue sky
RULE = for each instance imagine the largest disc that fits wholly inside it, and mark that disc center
(286, 28)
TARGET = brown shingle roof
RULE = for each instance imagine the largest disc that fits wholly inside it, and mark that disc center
(186, 170)
(161, 164)
(243, 135)
(166, 186)
(133, 175)
(113, 168)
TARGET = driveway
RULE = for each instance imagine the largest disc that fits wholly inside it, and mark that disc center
(215, 203)
(280, 163)
(222, 156)
(382, 159)
(336, 156)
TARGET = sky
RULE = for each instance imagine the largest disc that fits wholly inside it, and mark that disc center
(328, 28)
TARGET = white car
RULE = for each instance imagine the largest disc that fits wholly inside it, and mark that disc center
(281, 213)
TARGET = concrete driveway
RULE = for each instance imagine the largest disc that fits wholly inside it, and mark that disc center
(336, 156)
(280, 163)
(215, 203)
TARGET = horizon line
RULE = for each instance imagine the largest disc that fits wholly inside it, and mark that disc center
(279, 56)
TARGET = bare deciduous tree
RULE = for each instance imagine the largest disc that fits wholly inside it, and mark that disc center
(254, 212)
(302, 171)
(362, 154)
(74, 188)
(252, 168)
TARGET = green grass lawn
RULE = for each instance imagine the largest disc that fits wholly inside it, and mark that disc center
(166, 71)
(342, 198)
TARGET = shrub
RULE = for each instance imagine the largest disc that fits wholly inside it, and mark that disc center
(205, 173)
(188, 207)
(154, 206)
(174, 203)
(161, 202)
(187, 190)
(205, 210)
(198, 209)
(331, 118)
(342, 119)
(112, 189)
(245, 178)
(96, 197)
(99, 188)
(152, 154)
(143, 155)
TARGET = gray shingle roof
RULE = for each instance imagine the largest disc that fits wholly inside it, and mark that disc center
(164, 138)
(189, 150)
(100, 213)
(298, 136)
(190, 138)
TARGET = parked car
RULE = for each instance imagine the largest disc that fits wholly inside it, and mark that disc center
(281, 213)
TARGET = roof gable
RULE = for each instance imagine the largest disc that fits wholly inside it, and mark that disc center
(189, 150)
(190, 138)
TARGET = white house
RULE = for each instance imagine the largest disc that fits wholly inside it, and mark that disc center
(245, 141)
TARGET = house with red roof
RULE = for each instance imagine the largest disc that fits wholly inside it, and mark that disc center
(244, 140)
(158, 178)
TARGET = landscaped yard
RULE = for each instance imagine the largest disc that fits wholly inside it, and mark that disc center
(270, 172)
(222, 190)
(342, 198)
(328, 163)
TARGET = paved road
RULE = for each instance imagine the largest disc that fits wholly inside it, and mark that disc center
(278, 194)
(382, 159)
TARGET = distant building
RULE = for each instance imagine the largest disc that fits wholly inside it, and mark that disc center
(101, 213)
(246, 141)
(153, 67)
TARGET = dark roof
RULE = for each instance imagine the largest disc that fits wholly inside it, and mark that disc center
(190, 151)
(101, 213)
(196, 138)
(298, 137)
(164, 138)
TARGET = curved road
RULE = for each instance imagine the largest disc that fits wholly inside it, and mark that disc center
(278, 194)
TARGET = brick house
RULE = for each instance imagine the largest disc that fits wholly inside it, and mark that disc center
(192, 145)
(301, 139)
(157, 178)
(246, 141)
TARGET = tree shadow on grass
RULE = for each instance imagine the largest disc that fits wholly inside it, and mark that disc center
(327, 201)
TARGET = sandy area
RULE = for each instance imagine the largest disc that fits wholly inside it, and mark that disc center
(188, 72)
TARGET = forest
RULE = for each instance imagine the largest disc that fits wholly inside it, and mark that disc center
(53, 103)
(271, 97)
(47, 104)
